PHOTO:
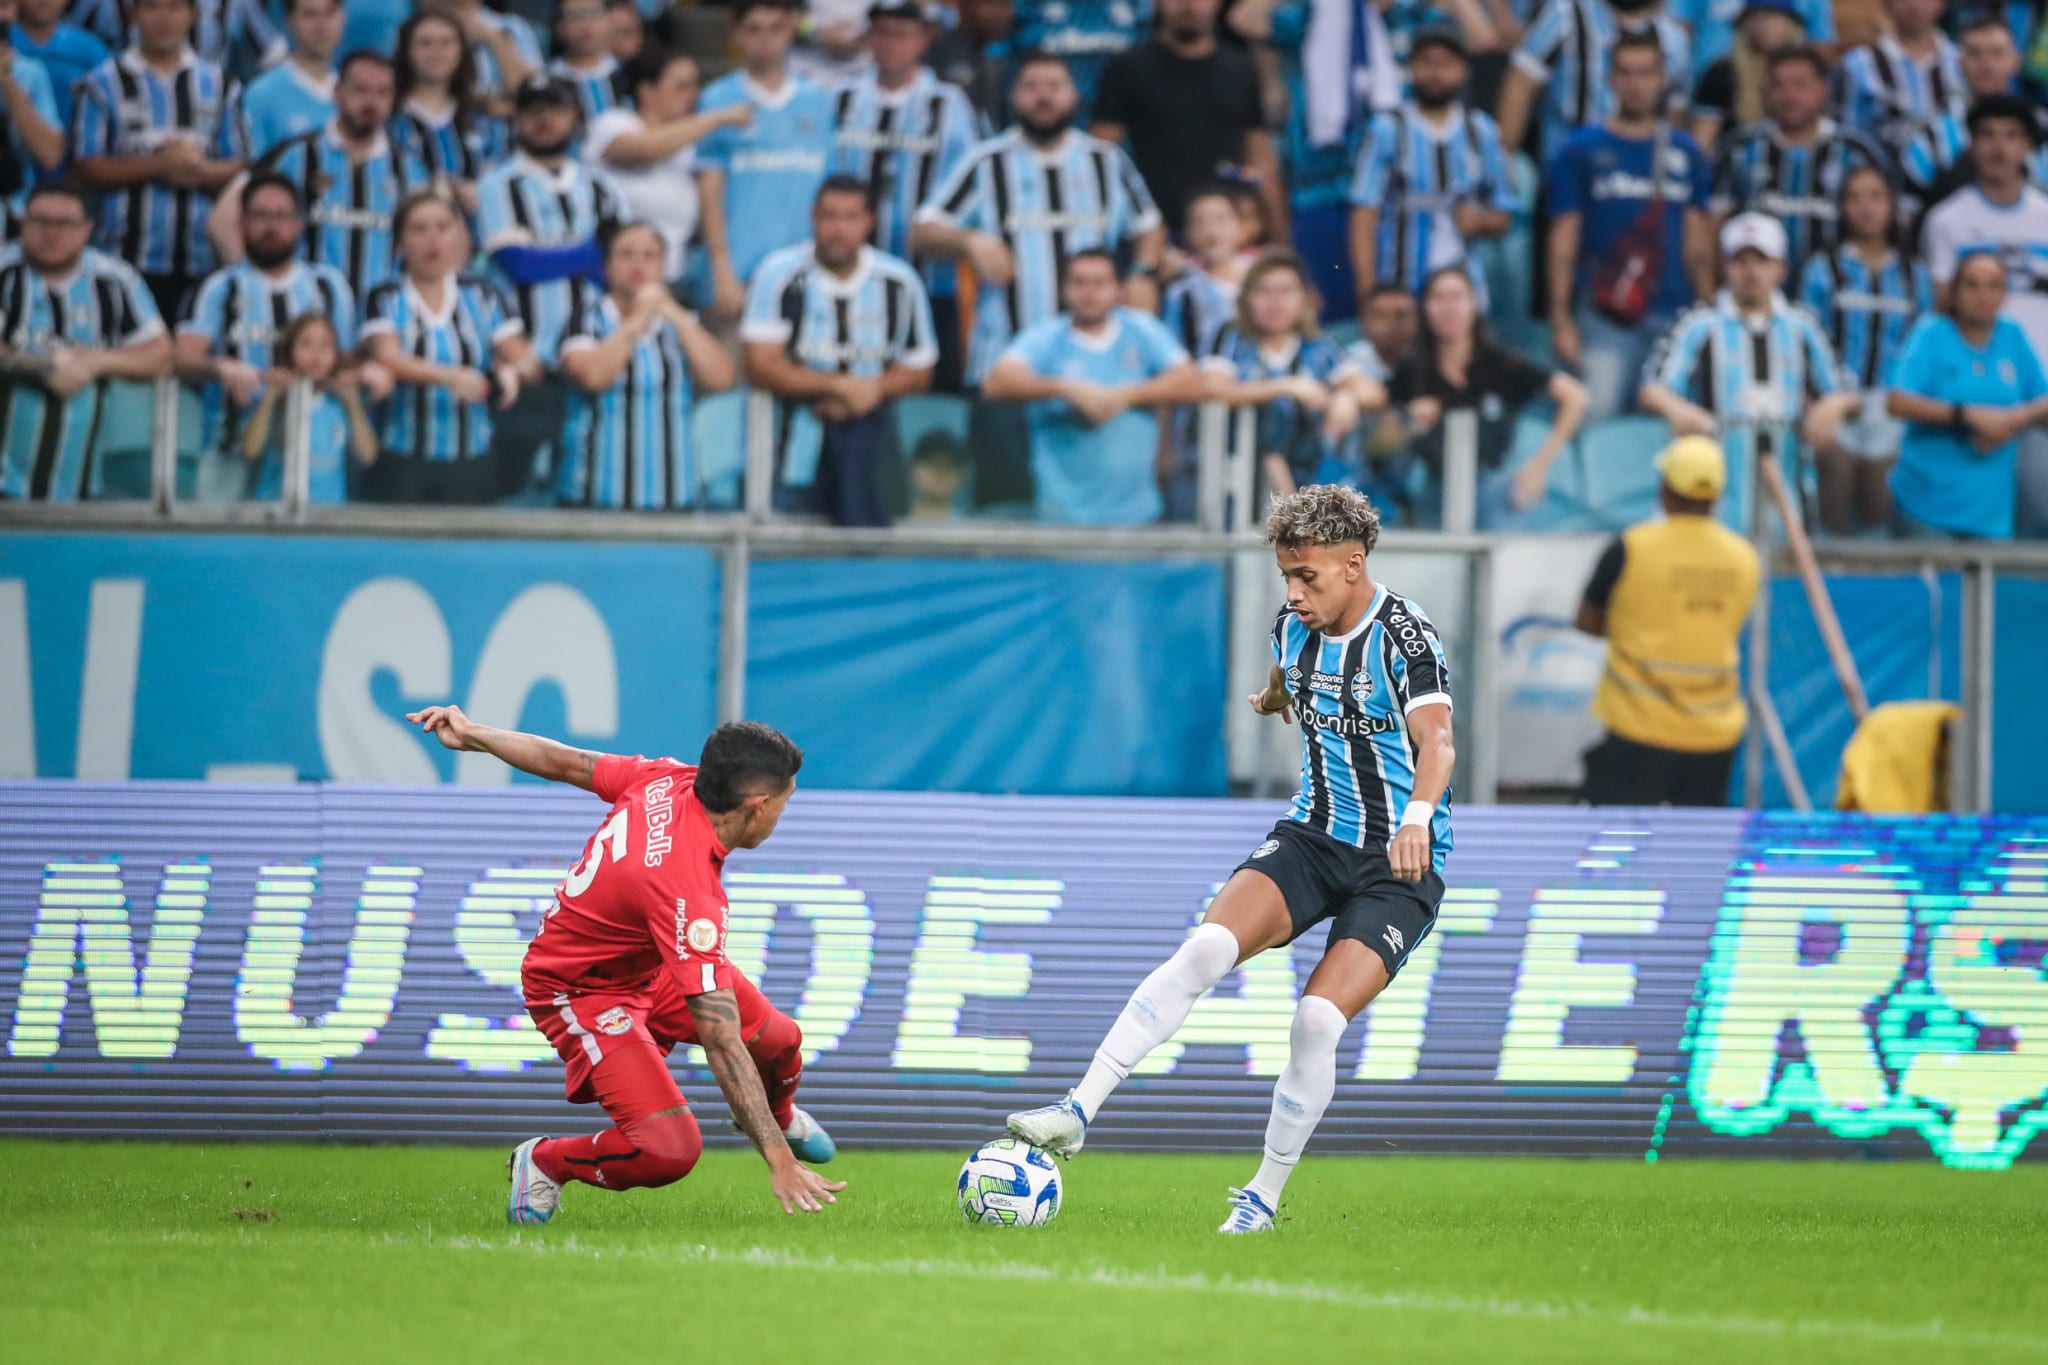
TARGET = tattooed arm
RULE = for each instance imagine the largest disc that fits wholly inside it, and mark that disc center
(717, 1014)
(529, 753)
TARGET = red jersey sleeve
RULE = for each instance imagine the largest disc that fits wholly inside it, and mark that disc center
(692, 934)
(617, 774)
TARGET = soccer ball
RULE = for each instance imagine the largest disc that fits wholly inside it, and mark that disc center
(1009, 1183)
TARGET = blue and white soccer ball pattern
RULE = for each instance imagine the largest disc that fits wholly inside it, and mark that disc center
(1010, 1183)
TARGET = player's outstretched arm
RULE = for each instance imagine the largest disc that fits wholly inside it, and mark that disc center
(529, 753)
(717, 1014)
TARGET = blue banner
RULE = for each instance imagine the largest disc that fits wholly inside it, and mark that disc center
(205, 961)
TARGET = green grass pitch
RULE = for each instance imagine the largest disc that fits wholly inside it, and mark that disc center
(120, 1252)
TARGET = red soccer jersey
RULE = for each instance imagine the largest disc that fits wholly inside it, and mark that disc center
(646, 895)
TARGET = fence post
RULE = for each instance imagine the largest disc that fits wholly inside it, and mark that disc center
(298, 448)
(1212, 430)
(1759, 681)
(1461, 470)
(1980, 649)
(163, 447)
(732, 630)
(1483, 774)
(758, 496)
(1244, 470)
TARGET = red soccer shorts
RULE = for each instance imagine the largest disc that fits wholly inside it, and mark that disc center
(615, 1046)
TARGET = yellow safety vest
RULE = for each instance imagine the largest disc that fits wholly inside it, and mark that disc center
(1674, 630)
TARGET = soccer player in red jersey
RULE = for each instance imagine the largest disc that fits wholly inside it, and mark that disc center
(631, 961)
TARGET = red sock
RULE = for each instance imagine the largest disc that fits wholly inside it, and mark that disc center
(644, 1154)
(778, 1050)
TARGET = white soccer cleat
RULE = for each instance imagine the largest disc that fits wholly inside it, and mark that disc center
(1248, 1213)
(1058, 1128)
(534, 1196)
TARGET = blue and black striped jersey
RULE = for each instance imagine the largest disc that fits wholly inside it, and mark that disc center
(1568, 46)
(1415, 174)
(349, 203)
(629, 447)
(1866, 312)
(426, 421)
(50, 444)
(1800, 186)
(596, 89)
(901, 144)
(1353, 694)
(125, 108)
(243, 310)
(459, 149)
(1882, 91)
(523, 202)
(1045, 204)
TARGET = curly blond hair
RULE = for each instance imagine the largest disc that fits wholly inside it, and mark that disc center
(1322, 514)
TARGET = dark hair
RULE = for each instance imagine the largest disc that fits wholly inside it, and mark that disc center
(1427, 346)
(746, 7)
(361, 55)
(1635, 40)
(1804, 53)
(291, 7)
(651, 63)
(1093, 253)
(1894, 233)
(1038, 56)
(1385, 288)
(64, 187)
(271, 180)
(1980, 20)
(2002, 106)
(1963, 262)
(1210, 189)
(461, 84)
(846, 184)
(609, 233)
(742, 759)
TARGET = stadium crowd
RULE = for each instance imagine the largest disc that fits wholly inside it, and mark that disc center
(989, 258)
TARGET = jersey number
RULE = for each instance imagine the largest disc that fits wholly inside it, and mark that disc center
(580, 876)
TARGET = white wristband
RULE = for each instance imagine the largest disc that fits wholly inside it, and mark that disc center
(1418, 813)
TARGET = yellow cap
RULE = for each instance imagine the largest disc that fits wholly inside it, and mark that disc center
(1693, 467)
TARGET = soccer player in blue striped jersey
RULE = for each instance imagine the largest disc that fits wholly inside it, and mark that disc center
(583, 57)
(837, 331)
(226, 340)
(457, 354)
(1025, 202)
(1084, 34)
(1093, 377)
(901, 130)
(1432, 177)
(1891, 86)
(151, 129)
(542, 212)
(1564, 54)
(66, 50)
(1362, 848)
(439, 120)
(350, 175)
(757, 181)
(1791, 165)
(1752, 371)
(638, 359)
(297, 95)
(1867, 292)
(71, 317)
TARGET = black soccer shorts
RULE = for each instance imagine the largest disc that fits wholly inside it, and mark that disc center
(1354, 888)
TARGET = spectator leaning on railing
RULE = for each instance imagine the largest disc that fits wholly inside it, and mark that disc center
(71, 317)
(1459, 367)
(837, 330)
(338, 429)
(1092, 377)
(1670, 597)
(638, 359)
(1967, 386)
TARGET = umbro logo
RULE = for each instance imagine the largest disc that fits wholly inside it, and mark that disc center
(1393, 937)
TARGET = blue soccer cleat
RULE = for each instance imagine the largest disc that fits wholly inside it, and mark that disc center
(807, 1141)
(1057, 1128)
(534, 1196)
(1248, 1213)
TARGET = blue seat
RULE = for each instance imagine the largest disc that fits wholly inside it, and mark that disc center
(1620, 468)
(718, 432)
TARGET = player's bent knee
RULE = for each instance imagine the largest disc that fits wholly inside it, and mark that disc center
(1318, 1025)
(669, 1145)
(780, 1035)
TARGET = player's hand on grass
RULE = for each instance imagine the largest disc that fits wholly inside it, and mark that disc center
(803, 1190)
(1408, 853)
(455, 730)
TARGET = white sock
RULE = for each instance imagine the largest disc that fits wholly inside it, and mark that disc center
(1156, 1011)
(1302, 1094)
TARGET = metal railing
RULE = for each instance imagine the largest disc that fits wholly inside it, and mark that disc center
(1227, 531)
